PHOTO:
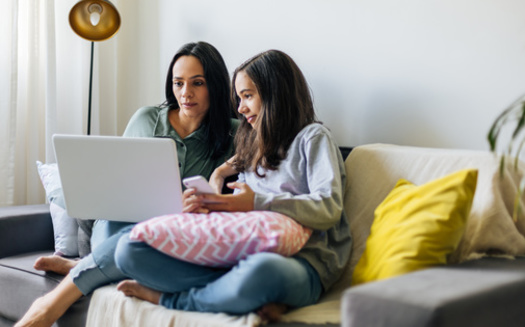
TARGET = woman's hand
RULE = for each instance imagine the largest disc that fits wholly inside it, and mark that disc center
(192, 202)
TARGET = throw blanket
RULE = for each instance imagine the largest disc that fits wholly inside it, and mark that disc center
(110, 308)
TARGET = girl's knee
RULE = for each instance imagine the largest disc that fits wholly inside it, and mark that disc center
(270, 271)
(270, 263)
(274, 278)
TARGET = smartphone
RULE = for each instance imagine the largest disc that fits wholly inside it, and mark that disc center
(199, 183)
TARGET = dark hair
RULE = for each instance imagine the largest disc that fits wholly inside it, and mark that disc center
(287, 107)
(217, 122)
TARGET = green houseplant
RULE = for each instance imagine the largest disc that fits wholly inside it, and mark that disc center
(512, 117)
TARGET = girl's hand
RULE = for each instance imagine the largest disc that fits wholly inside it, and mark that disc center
(219, 175)
(242, 201)
(217, 181)
(192, 202)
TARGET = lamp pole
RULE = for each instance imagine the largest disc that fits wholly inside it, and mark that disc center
(90, 88)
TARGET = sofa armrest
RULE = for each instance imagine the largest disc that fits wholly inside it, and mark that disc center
(24, 229)
(485, 292)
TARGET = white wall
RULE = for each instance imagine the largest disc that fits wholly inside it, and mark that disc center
(425, 73)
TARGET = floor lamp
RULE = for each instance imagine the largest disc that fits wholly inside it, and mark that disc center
(94, 20)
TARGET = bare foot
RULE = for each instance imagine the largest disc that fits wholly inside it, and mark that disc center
(133, 288)
(272, 312)
(48, 308)
(55, 263)
(39, 314)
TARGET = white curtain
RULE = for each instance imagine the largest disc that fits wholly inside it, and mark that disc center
(44, 79)
(25, 92)
(8, 40)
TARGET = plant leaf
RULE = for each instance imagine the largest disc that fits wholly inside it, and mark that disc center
(521, 121)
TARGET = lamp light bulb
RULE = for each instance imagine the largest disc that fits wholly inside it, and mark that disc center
(94, 18)
(94, 13)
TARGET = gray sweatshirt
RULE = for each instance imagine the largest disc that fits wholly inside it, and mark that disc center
(308, 187)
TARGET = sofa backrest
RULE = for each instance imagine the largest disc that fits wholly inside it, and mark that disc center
(373, 170)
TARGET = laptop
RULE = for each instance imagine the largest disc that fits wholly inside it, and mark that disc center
(118, 178)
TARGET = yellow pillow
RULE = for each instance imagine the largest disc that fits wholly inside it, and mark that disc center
(416, 227)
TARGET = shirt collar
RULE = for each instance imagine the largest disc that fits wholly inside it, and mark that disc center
(163, 128)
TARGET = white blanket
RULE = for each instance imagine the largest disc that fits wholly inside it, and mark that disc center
(372, 171)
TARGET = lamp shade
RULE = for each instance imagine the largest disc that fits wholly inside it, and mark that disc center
(94, 20)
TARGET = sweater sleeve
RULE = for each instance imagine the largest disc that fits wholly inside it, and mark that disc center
(316, 165)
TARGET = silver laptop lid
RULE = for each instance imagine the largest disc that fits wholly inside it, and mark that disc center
(118, 178)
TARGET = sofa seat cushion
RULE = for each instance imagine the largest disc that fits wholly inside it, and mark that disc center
(484, 292)
(20, 281)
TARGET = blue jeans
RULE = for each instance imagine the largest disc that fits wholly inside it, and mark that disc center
(257, 280)
(98, 268)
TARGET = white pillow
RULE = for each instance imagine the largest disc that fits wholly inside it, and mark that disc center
(221, 239)
(65, 228)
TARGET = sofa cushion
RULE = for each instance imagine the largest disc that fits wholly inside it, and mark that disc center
(483, 293)
(20, 281)
(416, 227)
(221, 239)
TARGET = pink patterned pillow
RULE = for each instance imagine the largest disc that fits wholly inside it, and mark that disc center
(221, 239)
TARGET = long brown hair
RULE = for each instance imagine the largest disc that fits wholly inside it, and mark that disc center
(217, 123)
(287, 107)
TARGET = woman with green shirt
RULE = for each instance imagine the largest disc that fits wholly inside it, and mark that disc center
(198, 115)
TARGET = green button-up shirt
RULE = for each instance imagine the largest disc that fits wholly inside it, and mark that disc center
(192, 150)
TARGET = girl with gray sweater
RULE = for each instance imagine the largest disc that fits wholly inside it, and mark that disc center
(287, 163)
